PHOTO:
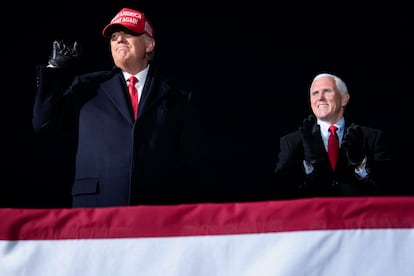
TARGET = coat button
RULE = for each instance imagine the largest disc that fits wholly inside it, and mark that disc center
(334, 183)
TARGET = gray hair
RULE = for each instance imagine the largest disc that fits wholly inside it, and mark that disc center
(340, 84)
(148, 39)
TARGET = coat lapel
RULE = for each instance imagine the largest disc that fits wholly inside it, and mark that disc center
(154, 90)
(117, 83)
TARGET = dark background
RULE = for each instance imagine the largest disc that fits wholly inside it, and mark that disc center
(250, 66)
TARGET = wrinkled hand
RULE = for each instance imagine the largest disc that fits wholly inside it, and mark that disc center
(353, 144)
(64, 54)
(310, 139)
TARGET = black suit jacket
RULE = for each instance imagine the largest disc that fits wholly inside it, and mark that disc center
(290, 180)
(157, 159)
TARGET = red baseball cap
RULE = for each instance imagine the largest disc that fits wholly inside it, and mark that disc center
(133, 20)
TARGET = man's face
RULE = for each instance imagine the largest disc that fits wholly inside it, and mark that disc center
(326, 101)
(129, 51)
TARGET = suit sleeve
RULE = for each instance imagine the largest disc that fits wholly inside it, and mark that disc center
(289, 175)
(51, 85)
(379, 162)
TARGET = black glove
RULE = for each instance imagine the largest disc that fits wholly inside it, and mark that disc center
(310, 139)
(64, 54)
(353, 144)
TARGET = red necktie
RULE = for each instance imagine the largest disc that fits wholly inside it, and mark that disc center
(333, 146)
(133, 93)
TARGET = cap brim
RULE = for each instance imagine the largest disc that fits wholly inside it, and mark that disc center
(111, 28)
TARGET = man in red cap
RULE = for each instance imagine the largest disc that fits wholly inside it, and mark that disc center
(153, 154)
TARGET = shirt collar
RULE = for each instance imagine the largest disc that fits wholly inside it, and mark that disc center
(141, 76)
(325, 126)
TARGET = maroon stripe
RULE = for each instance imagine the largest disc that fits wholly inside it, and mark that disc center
(207, 219)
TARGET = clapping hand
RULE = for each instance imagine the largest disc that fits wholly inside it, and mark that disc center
(310, 139)
(353, 145)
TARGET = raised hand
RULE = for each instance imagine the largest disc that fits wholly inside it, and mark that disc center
(64, 54)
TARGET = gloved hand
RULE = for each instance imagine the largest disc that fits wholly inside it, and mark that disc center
(353, 144)
(310, 139)
(64, 54)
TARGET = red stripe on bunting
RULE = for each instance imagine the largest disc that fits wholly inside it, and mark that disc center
(207, 219)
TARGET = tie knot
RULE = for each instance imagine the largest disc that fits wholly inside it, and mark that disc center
(133, 80)
(332, 129)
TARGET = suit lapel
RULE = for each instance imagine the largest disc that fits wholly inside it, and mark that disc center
(110, 88)
(154, 90)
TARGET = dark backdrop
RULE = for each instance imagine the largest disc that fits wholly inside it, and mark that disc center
(250, 66)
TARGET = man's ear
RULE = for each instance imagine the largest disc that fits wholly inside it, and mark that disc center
(345, 99)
